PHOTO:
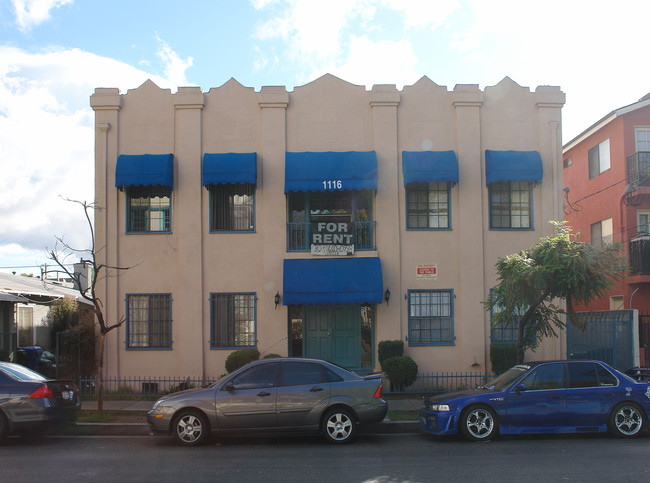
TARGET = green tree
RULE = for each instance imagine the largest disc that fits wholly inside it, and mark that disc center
(558, 267)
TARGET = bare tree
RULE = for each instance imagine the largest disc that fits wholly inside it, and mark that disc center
(60, 254)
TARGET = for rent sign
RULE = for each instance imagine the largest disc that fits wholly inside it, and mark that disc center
(332, 238)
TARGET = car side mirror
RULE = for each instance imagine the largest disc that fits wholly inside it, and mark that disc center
(230, 387)
(520, 388)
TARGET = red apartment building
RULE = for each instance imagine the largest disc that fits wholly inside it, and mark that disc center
(607, 199)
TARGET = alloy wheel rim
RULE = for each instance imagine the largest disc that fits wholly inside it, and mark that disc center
(339, 426)
(189, 428)
(480, 423)
(628, 421)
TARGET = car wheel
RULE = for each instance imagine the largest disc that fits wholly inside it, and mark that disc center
(339, 426)
(626, 421)
(478, 423)
(4, 429)
(191, 428)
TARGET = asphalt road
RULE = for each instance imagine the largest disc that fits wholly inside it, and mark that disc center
(371, 458)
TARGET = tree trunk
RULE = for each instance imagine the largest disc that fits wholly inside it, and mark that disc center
(520, 341)
(100, 374)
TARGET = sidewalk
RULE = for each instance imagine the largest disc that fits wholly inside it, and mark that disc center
(142, 429)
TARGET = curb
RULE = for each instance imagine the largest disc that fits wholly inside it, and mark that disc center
(142, 429)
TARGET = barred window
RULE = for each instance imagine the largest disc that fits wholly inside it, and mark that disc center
(149, 209)
(149, 321)
(431, 317)
(233, 320)
(510, 204)
(507, 332)
(427, 205)
(232, 207)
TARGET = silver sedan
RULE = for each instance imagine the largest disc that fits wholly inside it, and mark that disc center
(274, 395)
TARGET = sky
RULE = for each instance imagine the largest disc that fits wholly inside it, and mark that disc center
(54, 53)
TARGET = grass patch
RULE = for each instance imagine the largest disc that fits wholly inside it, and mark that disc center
(403, 415)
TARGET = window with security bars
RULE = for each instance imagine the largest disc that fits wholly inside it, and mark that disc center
(507, 332)
(149, 321)
(427, 205)
(232, 207)
(233, 320)
(510, 205)
(149, 209)
(431, 317)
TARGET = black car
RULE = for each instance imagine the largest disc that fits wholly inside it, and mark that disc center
(29, 402)
(274, 395)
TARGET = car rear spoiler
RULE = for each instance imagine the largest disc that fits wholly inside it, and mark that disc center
(374, 375)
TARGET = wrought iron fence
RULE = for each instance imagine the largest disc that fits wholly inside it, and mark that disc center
(141, 387)
(154, 387)
(439, 382)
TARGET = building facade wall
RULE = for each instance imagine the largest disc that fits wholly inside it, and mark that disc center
(328, 114)
(610, 195)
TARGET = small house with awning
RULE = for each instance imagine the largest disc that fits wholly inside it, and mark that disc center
(319, 221)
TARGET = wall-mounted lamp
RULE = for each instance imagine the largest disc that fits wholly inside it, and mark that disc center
(277, 299)
(387, 296)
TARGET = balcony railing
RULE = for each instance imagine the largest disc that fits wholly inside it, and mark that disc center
(299, 236)
(638, 169)
(639, 250)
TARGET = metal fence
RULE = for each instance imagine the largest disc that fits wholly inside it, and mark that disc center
(439, 382)
(154, 387)
(141, 387)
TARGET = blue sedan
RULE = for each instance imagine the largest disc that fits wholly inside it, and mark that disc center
(543, 397)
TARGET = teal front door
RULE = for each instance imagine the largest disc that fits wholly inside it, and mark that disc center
(333, 333)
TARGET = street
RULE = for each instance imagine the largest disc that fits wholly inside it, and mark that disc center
(371, 458)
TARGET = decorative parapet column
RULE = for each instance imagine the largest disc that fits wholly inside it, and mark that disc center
(549, 102)
(470, 319)
(271, 207)
(193, 323)
(107, 103)
(384, 101)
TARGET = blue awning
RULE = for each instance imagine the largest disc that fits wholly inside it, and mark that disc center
(330, 171)
(426, 166)
(144, 170)
(332, 281)
(513, 166)
(225, 168)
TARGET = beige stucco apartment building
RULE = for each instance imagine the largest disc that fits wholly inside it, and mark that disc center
(317, 222)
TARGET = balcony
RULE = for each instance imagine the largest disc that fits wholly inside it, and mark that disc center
(299, 236)
(638, 169)
(640, 254)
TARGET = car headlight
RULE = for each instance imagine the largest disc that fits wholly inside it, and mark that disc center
(439, 407)
(156, 404)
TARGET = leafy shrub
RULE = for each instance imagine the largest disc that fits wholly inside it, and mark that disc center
(272, 356)
(503, 357)
(389, 348)
(401, 370)
(240, 358)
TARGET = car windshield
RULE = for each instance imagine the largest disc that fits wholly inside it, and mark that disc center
(504, 380)
(21, 372)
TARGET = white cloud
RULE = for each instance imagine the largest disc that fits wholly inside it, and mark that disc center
(46, 144)
(368, 63)
(423, 13)
(30, 13)
(175, 67)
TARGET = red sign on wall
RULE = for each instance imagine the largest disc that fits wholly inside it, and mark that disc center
(426, 271)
